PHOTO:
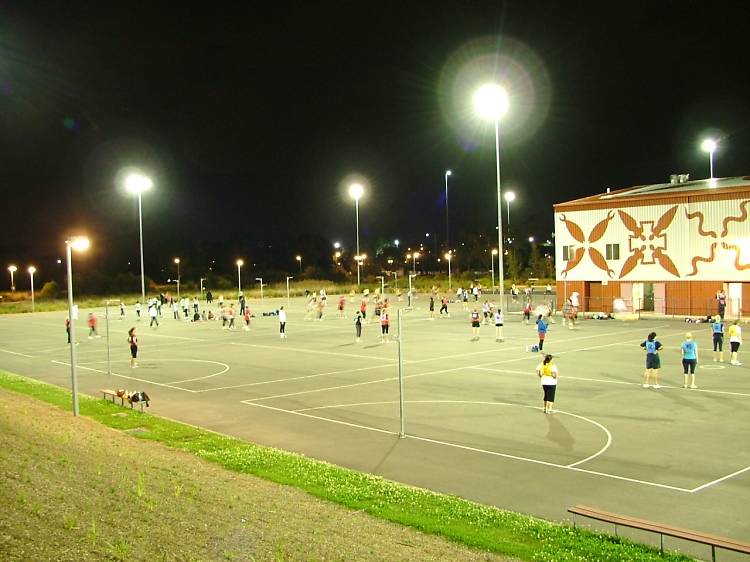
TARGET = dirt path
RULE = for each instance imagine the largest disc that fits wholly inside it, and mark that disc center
(72, 489)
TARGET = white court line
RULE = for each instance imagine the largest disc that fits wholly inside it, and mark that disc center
(728, 476)
(122, 376)
(224, 370)
(302, 377)
(16, 353)
(317, 351)
(473, 449)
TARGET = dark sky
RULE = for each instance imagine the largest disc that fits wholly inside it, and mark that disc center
(251, 119)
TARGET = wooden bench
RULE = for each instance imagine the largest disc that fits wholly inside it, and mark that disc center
(633, 522)
(107, 393)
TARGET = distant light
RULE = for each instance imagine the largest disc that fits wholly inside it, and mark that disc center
(491, 101)
(79, 243)
(509, 196)
(337, 245)
(390, 261)
(448, 173)
(32, 270)
(356, 191)
(494, 251)
(396, 242)
(427, 234)
(298, 258)
(240, 263)
(177, 260)
(12, 268)
(709, 145)
(448, 256)
(415, 255)
(531, 238)
(138, 183)
(60, 261)
(338, 255)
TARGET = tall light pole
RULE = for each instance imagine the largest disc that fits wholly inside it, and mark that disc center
(32, 270)
(509, 198)
(239, 263)
(287, 291)
(355, 192)
(447, 222)
(448, 257)
(79, 244)
(177, 261)
(491, 102)
(414, 257)
(493, 253)
(709, 145)
(382, 283)
(12, 269)
(137, 184)
(261, 288)
(299, 260)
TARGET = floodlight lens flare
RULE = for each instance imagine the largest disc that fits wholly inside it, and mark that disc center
(80, 243)
(138, 183)
(491, 101)
(356, 191)
(32, 270)
(448, 173)
(12, 268)
(509, 196)
(240, 263)
(709, 145)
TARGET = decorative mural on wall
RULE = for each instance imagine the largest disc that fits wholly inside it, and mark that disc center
(703, 241)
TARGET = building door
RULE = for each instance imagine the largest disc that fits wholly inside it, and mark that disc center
(647, 296)
(660, 292)
(636, 293)
(594, 292)
(745, 305)
(734, 298)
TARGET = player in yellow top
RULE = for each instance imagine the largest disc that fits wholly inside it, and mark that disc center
(735, 340)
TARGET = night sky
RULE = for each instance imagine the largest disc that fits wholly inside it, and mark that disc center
(252, 120)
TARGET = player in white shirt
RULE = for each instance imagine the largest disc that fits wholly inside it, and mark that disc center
(282, 323)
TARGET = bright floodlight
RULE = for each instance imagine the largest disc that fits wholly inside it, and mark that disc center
(298, 258)
(32, 270)
(356, 191)
(494, 251)
(177, 260)
(709, 145)
(448, 173)
(531, 238)
(491, 101)
(415, 254)
(12, 268)
(448, 256)
(509, 196)
(79, 243)
(240, 263)
(337, 245)
(138, 183)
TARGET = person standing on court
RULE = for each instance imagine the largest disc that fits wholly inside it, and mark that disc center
(92, 322)
(689, 351)
(735, 341)
(498, 325)
(717, 336)
(152, 311)
(444, 305)
(282, 323)
(138, 310)
(384, 325)
(721, 301)
(358, 326)
(133, 342)
(541, 330)
(475, 322)
(432, 307)
(122, 310)
(653, 363)
(547, 372)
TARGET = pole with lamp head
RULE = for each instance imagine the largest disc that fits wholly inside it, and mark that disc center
(239, 263)
(261, 288)
(288, 301)
(709, 145)
(448, 257)
(355, 192)
(32, 270)
(509, 198)
(177, 261)
(138, 183)
(79, 244)
(447, 222)
(12, 269)
(299, 261)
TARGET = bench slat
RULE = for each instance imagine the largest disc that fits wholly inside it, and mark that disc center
(643, 524)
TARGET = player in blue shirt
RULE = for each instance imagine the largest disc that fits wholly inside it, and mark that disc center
(689, 351)
(653, 363)
(717, 334)
(541, 329)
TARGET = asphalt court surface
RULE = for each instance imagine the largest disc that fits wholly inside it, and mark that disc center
(473, 419)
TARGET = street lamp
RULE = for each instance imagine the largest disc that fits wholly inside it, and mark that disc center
(509, 198)
(448, 257)
(177, 261)
(240, 263)
(337, 245)
(355, 192)
(79, 244)
(299, 259)
(12, 270)
(414, 257)
(137, 184)
(491, 102)
(261, 288)
(531, 239)
(447, 223)
(31, 271)
(492, 268)
(709, 145)
(382, 283)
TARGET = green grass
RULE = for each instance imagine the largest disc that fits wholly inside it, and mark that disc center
(459, 520)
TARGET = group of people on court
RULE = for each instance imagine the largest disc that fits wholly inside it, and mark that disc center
(689, 352)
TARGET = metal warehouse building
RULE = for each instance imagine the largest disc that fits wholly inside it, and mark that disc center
(666, 247)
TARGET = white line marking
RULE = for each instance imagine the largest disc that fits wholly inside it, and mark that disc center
(16, 353)
(123, 376)
(283, 347)
(475, 449)
(707, 484)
